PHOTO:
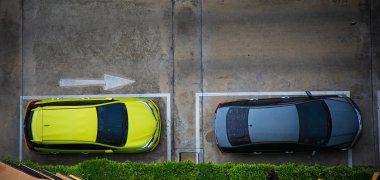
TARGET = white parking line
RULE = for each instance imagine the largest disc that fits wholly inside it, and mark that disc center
(148, 95)
(284, 93)
(21, 130)
(378, 120)
(168, 128)
(349, 158)
(198, 138)
(197, 128)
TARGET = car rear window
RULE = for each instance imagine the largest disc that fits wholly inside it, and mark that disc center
(314, 123)
(112, 124)
(237, 126)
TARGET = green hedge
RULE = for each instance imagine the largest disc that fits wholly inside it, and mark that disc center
(292, 171)
(107, 169)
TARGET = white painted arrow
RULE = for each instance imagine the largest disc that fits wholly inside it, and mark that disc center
(109, 82)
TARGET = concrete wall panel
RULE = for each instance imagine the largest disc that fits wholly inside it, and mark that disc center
(85, 39)
(10, 76)
(187, 70)
(290, 46)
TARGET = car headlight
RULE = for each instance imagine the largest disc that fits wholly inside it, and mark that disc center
(150, 107)
(151, 140)
(147, 145)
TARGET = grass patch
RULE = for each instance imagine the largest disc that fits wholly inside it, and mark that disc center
(107, 169)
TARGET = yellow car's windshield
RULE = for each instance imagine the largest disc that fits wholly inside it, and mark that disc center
(112, 124)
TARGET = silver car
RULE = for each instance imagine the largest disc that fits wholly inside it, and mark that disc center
(288, 124)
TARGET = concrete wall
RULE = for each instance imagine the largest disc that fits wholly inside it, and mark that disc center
(10, 76)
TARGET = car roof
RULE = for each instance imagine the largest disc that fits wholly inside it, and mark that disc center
(274, 124)
(69, 124)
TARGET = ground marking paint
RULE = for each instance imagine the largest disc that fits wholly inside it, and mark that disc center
(148, 95)
(109, 82)
(378, 119)
(198, 138)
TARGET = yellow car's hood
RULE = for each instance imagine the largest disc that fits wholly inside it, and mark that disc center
(76, 124)
(141, 124)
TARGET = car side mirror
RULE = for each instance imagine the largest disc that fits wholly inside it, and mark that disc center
(309, 94)
(108, 151)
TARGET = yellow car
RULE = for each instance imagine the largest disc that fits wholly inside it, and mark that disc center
(92, 125)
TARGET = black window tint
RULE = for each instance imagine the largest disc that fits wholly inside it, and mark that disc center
(237, 126)
(112, 124)
(313, 123)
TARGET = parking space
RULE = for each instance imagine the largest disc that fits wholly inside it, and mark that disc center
(211, 152)
(85, 41)
(161, 153)
(256, 46)
(378, 118)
